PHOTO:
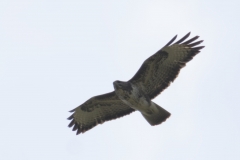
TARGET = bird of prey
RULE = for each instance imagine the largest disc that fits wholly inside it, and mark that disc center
(155, 74)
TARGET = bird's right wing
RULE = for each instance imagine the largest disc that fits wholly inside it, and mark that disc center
(97, 110)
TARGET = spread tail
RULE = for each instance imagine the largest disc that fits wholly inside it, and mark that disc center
(157, 116)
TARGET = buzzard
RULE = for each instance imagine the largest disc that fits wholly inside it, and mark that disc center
(155, 74)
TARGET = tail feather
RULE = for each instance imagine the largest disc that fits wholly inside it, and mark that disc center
(158, 115)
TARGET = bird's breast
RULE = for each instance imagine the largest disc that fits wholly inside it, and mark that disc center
(136, 99)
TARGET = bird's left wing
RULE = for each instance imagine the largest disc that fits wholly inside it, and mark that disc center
(97, 110)
(160, 69)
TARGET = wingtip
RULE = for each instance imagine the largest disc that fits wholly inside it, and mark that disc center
(183, 38)
(202, 47)
(71, 117)
(171, 41)
(78, 131)
(75, 127)
(72, 110)
(195, 43)
(187, 35)
(198, 48)
(191, 40)
(71, 123)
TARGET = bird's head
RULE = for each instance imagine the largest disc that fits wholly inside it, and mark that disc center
(122, 89)
(119, 85)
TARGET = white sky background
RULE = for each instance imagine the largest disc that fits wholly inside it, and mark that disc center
(54, 55)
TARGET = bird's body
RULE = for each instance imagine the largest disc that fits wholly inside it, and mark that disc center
(132, 96)
(155, 74)
(135, 98)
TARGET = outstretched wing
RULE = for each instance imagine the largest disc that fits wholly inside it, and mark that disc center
(97, 110)
(160, 69)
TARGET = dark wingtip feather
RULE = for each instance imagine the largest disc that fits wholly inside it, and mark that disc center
(170, 42)
(71, 117)
(78, 131)
(71, 123)
(73, 110)
(182, 39)
(198, 48)
(75, 127)
(191, 40)
(194, 44)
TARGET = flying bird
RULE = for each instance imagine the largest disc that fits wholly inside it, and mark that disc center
(155, 74)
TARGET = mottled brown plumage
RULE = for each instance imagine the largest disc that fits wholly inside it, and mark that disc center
(155, 74)
(97, 110)
(159, 70)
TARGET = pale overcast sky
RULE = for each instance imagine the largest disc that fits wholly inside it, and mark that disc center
(54, 55)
